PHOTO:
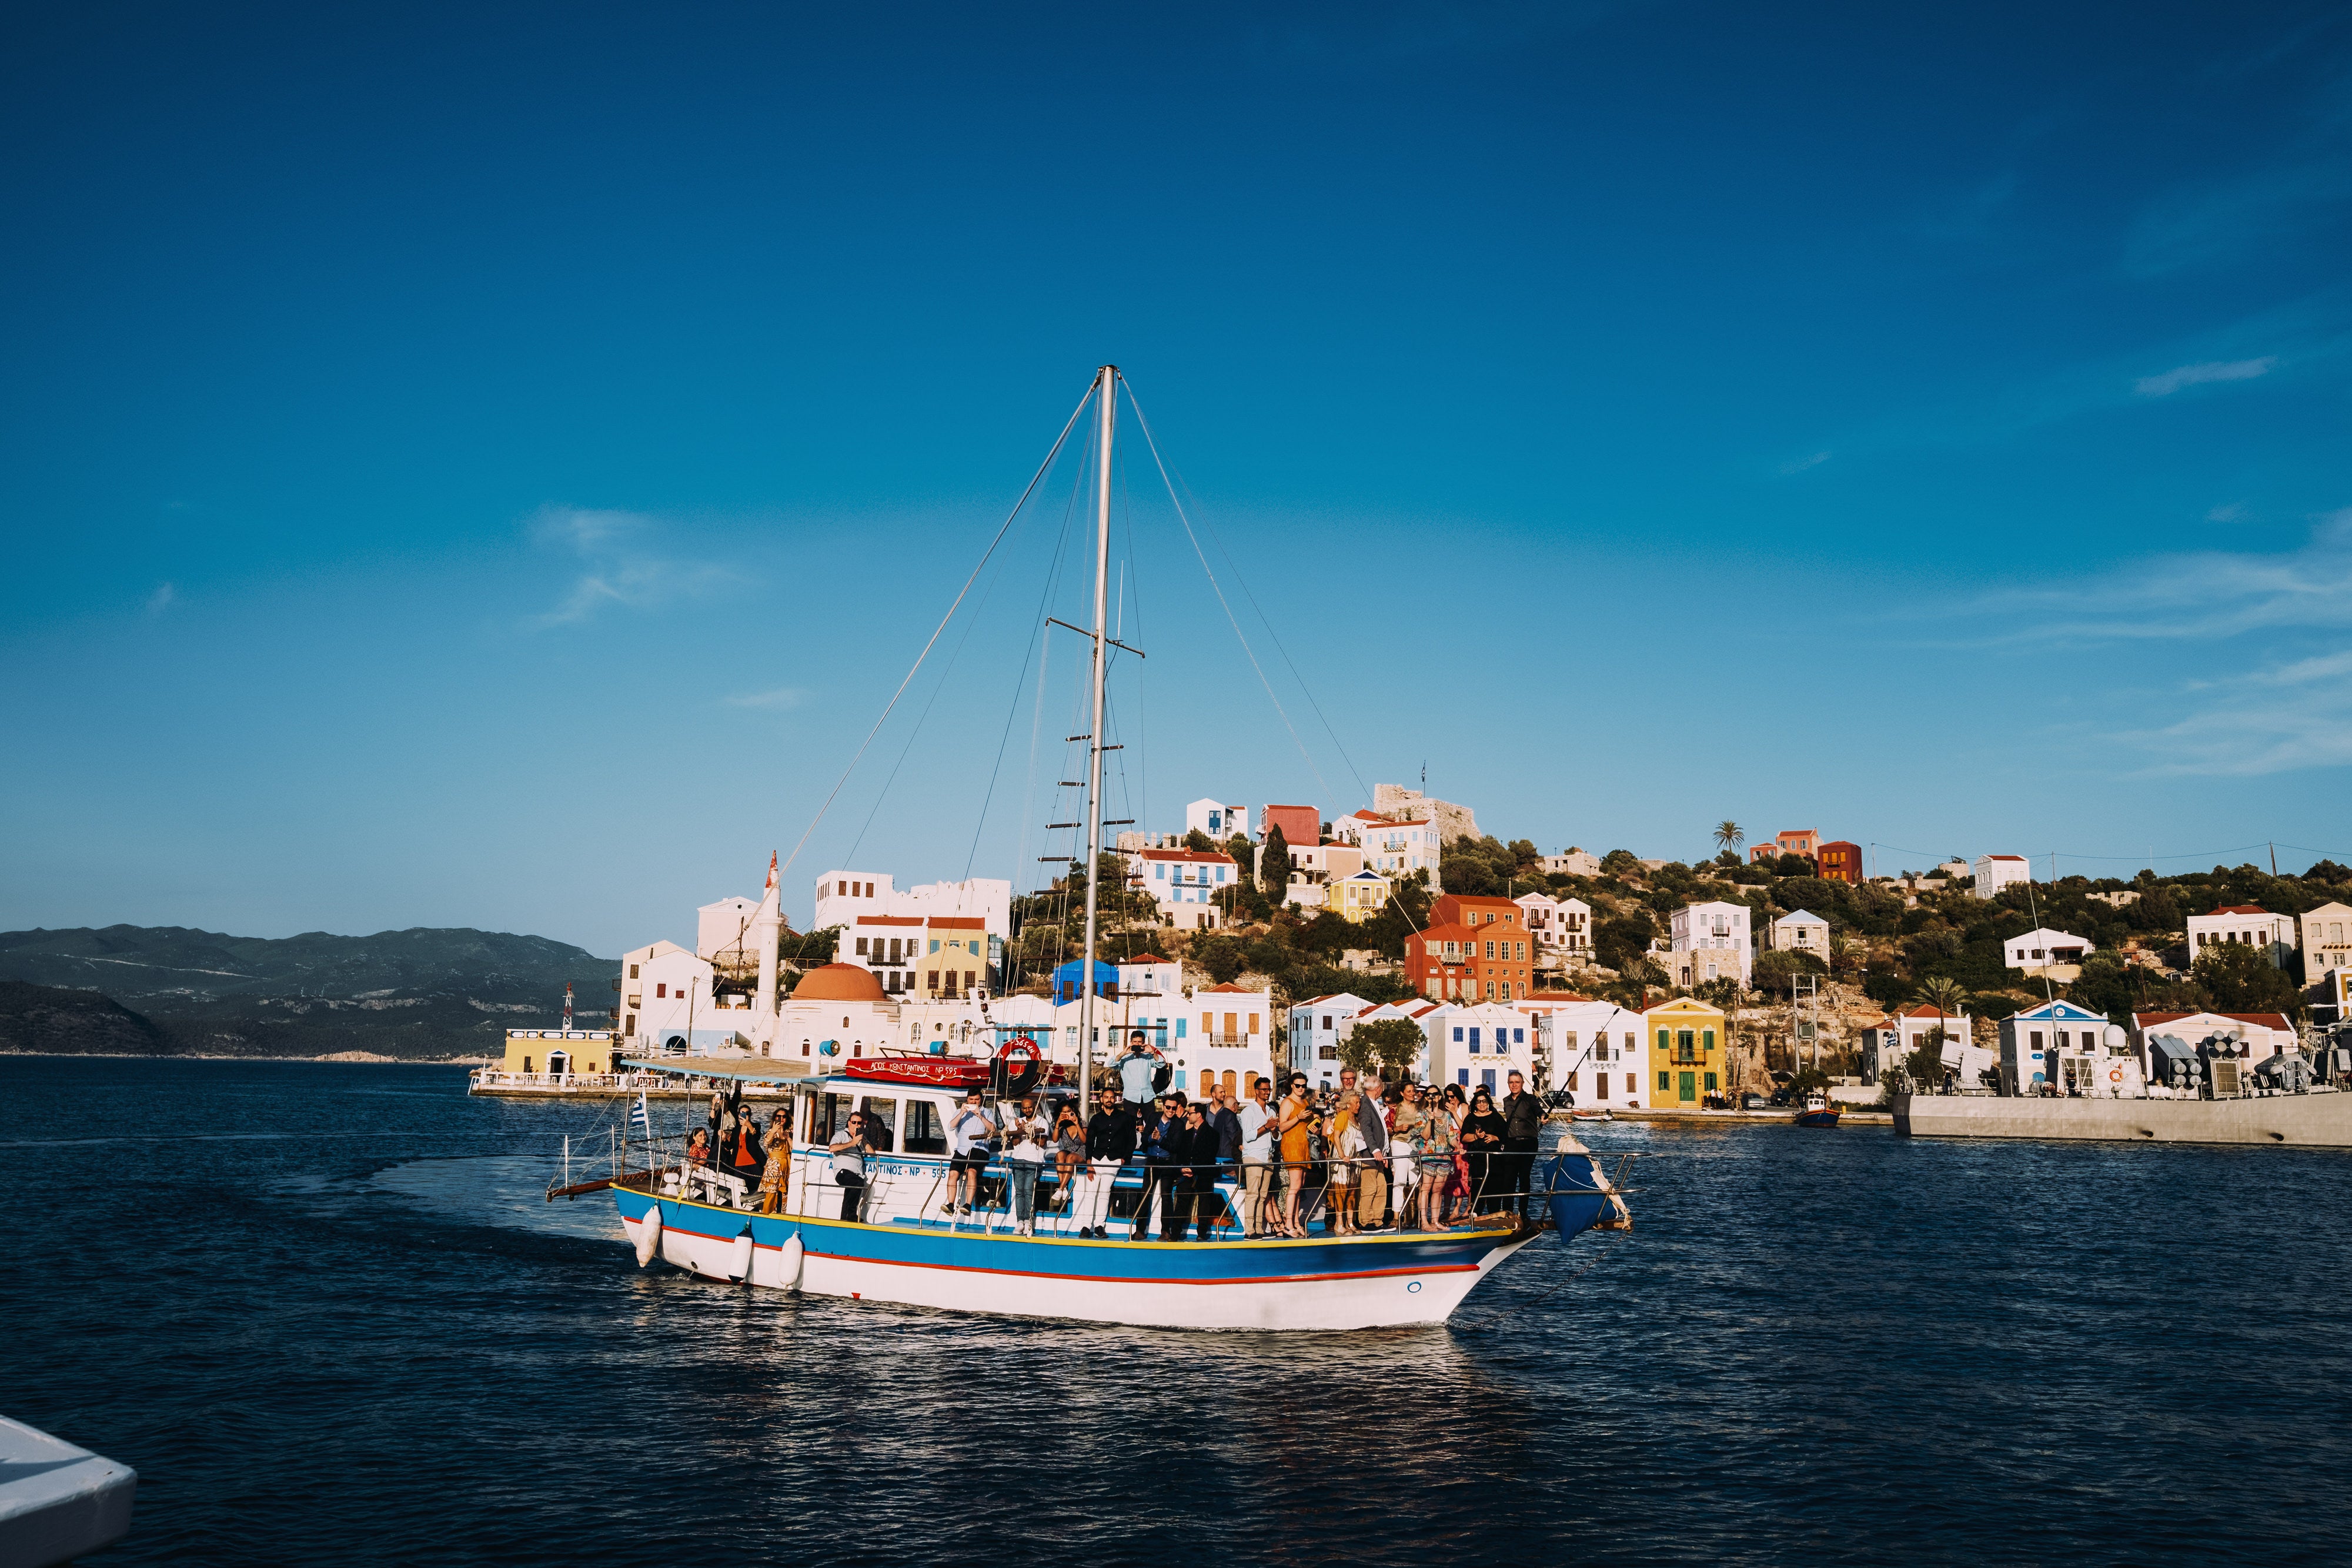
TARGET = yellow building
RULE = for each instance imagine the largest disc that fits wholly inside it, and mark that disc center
(552, 1051)
(1359, 897)
(1687, 1050)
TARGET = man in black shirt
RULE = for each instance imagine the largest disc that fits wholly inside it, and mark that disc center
(1111, 1143)
(1522, 1124)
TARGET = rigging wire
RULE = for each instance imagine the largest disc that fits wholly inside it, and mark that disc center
(1209, 522)
(1328, 793)
(942, 626)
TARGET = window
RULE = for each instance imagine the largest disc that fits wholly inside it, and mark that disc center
(1664, 1044)
(1473, 1042)
(1709, 1036)
(1461, 1076)
(861, 947)
(1665, 1080)
(1328, 1053)
(1159, 873)
(1710, 1082)
(661, 989)
(925, 1134)
(1220, 874)
(1486, 1079)
(1518, 1037)
(633, 971)
(1457, 1034)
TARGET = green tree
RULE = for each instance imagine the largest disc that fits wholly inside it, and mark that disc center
(1199, 842)
(2240, 979)
(1392, 1043)
(1276, 861)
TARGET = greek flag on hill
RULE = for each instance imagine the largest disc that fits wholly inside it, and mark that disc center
(638, 1124)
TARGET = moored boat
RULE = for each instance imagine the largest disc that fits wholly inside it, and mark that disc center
(1817, 1111)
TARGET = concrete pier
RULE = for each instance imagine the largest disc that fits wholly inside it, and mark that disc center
(57, 1501)
(2310, 1121)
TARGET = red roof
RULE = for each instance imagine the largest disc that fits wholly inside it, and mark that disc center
(1928, 1010)
(2261, 1021)
(1229, 988)
(888, 920)
(1555, 996)
(1480, 901)
(1146, 958)
(957, 921)
(2239, 909)
(1198, 857)
(2020, 859)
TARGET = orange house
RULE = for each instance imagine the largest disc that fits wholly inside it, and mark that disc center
(1477, 949)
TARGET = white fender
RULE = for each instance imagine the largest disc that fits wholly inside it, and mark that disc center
(788, 1266)
(649, 1236)
(742, 1270)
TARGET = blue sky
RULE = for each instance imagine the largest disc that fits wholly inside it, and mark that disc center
(491, 467)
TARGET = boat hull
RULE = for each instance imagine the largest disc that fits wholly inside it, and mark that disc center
(1357, 1283)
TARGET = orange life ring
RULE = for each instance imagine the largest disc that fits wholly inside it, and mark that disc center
(2114, 1075)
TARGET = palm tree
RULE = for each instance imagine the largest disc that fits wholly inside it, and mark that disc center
(1942, 993)
(1728, 835)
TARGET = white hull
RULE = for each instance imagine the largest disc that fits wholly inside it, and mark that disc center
(1388, 1301)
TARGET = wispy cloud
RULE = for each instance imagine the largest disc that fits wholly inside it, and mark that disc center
(161, 600)
(2180, 376)
(627, 565)
(2229, 512)
(2202, 594)
(2291, 715)
(781, 697)
(2215, 223)
(1800, 464)
(2293, 711)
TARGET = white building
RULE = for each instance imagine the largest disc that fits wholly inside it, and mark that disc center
(1216, 819)
(725, 928)
(661, 984)
(1394, 849)
(1801, 931)
(2327, 939)
(2249, 924)
(888, 944)
(1317, 1026)
(1711, 942)
(1562, 929)
(1887, 1043)
(1575, 863)
(2042, 948)
(1994, 872)
(843, 896)
(2033, 1042)
(1184, 884)
(1477, 1046)
(1595, 1047)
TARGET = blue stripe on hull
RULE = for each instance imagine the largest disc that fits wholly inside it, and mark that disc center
(1148, 1263)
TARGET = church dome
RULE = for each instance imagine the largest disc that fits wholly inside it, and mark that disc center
(838, 983)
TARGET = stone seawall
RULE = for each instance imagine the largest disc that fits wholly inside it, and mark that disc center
(2311, 1121)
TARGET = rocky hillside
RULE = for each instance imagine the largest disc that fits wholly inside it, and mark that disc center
(417, 993)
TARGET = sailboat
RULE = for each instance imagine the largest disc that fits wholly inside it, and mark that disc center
(893, 1232)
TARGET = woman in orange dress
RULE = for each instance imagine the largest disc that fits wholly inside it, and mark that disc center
(1297, 1115)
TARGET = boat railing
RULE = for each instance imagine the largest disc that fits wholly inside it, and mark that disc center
(655, 1164)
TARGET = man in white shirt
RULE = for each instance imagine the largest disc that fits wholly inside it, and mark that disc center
(1258, 1126)
(969, 1131)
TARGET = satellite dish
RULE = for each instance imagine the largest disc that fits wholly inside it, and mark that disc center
(2114, 1035)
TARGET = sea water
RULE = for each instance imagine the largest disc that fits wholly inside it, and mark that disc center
(325, 1312)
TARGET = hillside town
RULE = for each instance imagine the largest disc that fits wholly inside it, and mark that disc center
(1260, 940)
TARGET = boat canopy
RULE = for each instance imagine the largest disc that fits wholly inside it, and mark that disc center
(690, 1069)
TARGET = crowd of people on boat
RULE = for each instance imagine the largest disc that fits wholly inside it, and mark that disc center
(1360, 1156)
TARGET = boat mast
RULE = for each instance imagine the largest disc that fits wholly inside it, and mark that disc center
(1105, 406)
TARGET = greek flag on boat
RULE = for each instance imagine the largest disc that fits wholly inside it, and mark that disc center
(637, 1120)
